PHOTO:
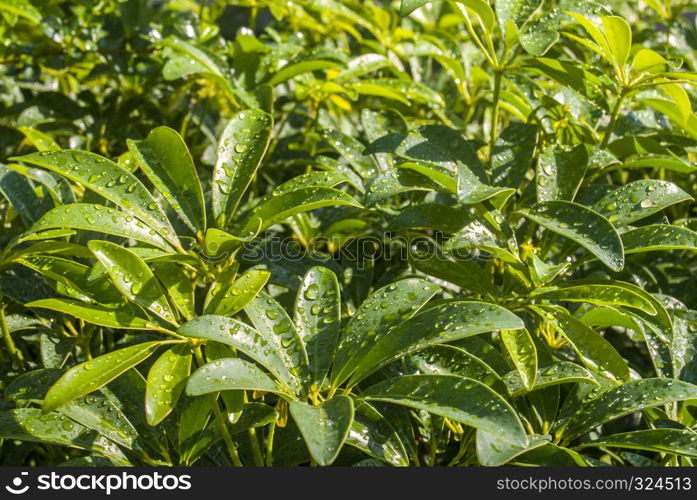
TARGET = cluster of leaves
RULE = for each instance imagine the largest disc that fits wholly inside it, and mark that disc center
(341, 232)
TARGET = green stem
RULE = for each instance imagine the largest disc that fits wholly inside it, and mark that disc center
(254, 441)
(613, 120)
(229, 444)
(9, 342)
(495, 114)
(269, 444)
(221, 420)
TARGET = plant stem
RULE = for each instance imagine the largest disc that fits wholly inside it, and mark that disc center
(269, 444)
(613, 120)
(9, 342)
(220, 419)
(254, 441)
(495, 114)
(229, 444)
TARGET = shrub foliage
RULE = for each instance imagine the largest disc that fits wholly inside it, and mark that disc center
(353, 233)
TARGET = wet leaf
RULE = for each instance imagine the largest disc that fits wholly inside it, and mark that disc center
(325, 427)
(98, 218)
(230, 374)
(29, 424)
(659, 237)
(596, 353)
(112, 318)
(459, 399)
(436, 325)
(628, 398)
(562, 372)
(227, 299)
(317, 319)
(109, 180)
(385, 307)
(523, 353)
(584, 226)
(133, 278)
(94, 374)
(166, 160)
(241, 147)
(166, 380)
(265, 347)
(671, 441)
(639, 199)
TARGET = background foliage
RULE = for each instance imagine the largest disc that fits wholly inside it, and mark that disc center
(359, 233)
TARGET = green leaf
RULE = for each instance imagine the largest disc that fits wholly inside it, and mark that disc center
(479, 234)
(17, 190)
(230, 374)
(40, 140)
(595, 352)
(406, 7)
(603, 47)
(471, 191)
(253, 415)
(523, 353)
(166, 160)
(430, 215)
(436, 325)
(584, 226)
(178, 286)
(265, 347)
(373, 434)
(279, 208)
(185, 59)
(21, 8)
(664, 162)
(493, 452)
(227, 299)
(537, 39)
(627, 398)
(647, 60)
(166, 381)
(292, 70)
(639, 199)
(98, 412)
(317, 318)
(101, 219)
(133, 278)
(670, 441)
(659, 237)
(112, 318)
(479, 7)
(352, 151)
(560, 173)
(450, 360)
(325, 427)
(241, 147)
(518, 11)
(562, 372)
(513, 153)
(619, 37)
(466, 274)
(271, 320)
(572, 75)
(601, 293)
(383, 308)
(109, 180)
(459, 399)
(96, 373)
(29, 424)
